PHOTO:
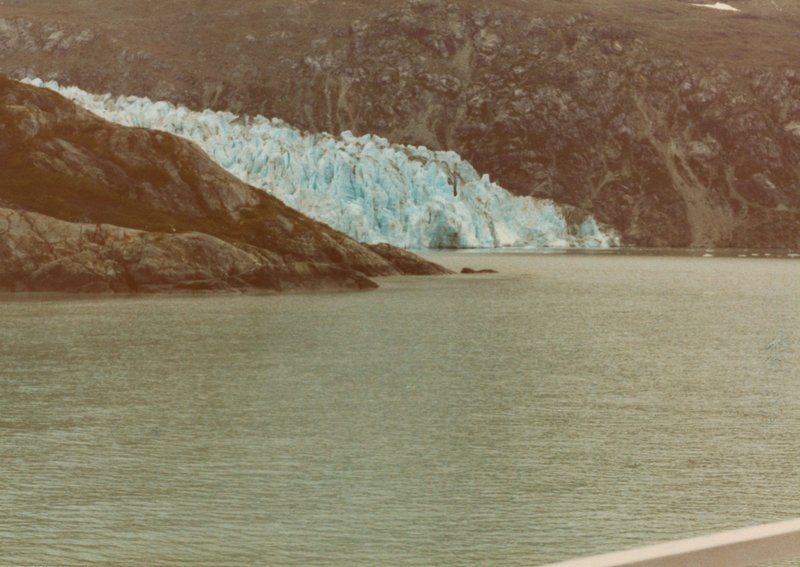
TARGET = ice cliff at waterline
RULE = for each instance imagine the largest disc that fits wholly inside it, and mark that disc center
(364, 186)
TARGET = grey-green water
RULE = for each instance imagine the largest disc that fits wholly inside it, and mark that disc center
(569, 405)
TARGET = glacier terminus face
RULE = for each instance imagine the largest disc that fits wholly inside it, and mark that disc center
(366, 187)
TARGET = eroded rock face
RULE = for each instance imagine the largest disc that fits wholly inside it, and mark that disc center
(671, 153)
(89, 206)
(40, 253)
(580, 102)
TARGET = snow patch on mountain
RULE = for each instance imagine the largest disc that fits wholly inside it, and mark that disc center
(364, 186)
(719, 6)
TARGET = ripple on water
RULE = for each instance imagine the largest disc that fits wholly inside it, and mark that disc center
(570, 404)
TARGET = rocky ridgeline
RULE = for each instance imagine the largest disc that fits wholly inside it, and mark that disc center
(670, 150)
(89, 206)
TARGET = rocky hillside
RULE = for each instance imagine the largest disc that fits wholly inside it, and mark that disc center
(90, 206)
(678, 125)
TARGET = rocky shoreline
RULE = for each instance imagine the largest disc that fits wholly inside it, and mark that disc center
(87, 206)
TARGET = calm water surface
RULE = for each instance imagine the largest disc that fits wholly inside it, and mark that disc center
(571, 404)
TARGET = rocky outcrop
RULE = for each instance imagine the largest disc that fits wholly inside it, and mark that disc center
(89, 206)
(40, 253)
(654, 117)
(407, 262)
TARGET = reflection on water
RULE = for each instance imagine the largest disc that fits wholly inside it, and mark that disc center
(570, 404)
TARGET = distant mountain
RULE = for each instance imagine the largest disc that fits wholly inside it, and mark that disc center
(676, 124)
(86, 205)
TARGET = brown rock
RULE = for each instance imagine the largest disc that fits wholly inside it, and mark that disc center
(90, 206)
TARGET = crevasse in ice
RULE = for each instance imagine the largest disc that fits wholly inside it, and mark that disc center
(364, 186)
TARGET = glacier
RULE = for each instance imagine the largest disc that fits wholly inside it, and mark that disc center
(364, 186)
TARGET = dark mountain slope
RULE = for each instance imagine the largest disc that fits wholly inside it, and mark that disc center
(676, 124)
(87, 205)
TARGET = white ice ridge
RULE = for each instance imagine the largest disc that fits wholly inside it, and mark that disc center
(719, 6)
(364, 186)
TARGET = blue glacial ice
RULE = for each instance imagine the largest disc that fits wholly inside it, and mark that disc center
(364, 186)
